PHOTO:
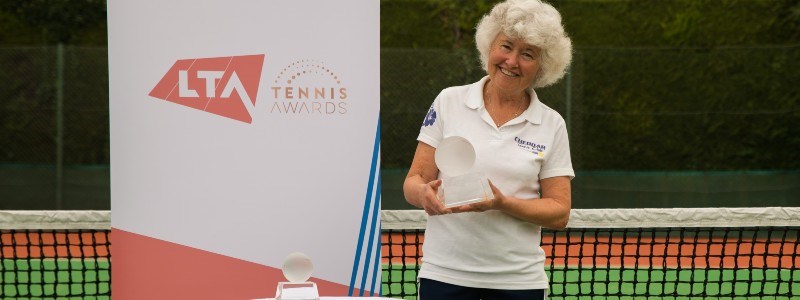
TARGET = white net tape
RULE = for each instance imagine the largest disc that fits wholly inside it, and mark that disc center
(416, 219)
(640, 217)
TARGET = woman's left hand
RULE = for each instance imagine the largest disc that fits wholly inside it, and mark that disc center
(487, 204)
(551, 210)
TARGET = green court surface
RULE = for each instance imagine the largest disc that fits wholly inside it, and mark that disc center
(36, 279)
(636, 283)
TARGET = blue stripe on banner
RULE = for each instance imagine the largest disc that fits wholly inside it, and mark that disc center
(377, 245)
(374, 222)
(367, 203)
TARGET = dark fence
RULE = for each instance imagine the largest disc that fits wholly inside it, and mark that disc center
(661, 110)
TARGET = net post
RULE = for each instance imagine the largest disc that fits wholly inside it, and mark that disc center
(59, 125)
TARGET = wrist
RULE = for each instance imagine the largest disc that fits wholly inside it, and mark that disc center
(502, 204)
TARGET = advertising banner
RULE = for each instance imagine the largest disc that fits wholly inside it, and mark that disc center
(243, 131)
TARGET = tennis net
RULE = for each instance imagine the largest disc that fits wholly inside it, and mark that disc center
(604, 253)
(55, 254)
(639, 253)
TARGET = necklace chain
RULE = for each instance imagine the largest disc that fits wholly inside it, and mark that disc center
(516, 112)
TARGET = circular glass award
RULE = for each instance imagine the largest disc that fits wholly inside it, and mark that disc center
(297, 267)
(454, 156)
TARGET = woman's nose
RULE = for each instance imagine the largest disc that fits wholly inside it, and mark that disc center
(511, 61)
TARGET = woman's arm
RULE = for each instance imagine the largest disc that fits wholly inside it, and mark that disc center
(551, 211)
(421, 185)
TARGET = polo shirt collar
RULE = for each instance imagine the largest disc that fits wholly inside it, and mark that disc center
(475, 94)
(475, 101)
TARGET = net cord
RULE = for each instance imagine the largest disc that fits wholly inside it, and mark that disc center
(55, 219)
(416, 219)
(639, 217)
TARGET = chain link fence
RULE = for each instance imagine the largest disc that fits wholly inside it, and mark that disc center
(669, 109)
(648, 127)
(54, 128)
(733, 109)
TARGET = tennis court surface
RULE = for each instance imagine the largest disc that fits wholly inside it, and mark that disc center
(614, 253)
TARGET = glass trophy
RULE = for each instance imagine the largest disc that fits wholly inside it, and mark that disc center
(455, 157)
(297, 269)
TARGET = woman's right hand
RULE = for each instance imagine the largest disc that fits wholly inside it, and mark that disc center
(430, 200)
(418, 190)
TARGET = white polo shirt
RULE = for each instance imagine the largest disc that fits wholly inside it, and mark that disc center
(492, 249)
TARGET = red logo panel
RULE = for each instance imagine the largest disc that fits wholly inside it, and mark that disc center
(225, 86)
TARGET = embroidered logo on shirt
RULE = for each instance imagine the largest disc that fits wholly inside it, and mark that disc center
(536, 149)
(430, 118)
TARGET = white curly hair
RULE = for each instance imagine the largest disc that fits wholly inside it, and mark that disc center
(536, 23)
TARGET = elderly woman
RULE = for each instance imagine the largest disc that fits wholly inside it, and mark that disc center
(491, 249)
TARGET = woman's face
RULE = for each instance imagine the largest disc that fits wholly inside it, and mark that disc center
(513, 64)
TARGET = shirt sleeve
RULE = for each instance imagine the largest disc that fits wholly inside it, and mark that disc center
(557, 160)
(432, 128)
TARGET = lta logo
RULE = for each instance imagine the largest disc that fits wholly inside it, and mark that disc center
(225, 86)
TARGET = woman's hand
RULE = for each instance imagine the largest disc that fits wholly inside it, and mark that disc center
(551, 210)
(486, 204)
(430, 200)
(421, 186)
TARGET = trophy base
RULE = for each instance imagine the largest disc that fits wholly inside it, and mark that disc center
(297, 291)
(465, 189)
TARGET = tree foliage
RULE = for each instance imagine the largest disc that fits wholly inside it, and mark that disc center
(606, 23)
(52, 22)
(655, 85)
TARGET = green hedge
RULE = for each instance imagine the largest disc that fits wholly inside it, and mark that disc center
(719, 109)
(634, 109)
(655, 85)
(592, 23)
(28, 126)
